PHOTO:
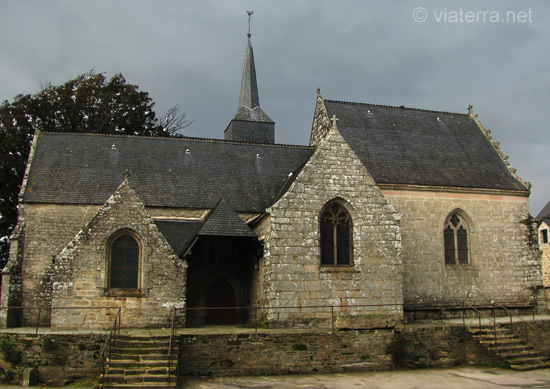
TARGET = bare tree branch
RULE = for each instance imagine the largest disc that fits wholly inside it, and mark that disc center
(171, 122)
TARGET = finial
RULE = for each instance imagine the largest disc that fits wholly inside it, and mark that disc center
(470, 109)
(126, 174)
(249, 16)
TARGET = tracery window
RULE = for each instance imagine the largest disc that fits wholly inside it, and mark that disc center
(124, 265)
(456, 238)
(336, 236)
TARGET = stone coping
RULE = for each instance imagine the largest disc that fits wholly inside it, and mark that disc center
(236, 329)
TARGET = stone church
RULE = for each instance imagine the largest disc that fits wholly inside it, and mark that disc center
(387, 210)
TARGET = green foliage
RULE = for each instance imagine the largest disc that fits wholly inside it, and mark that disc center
(11, 353)
(532, 233)
(262, 321)
(88, 103)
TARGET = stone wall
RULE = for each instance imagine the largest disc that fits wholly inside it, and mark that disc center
(293, 272)
(545, 248)
(12, 282)
(344, 351)
(283, 353)
(47, 230)
(79, 275)
(56, 356)
(43, 232)
(503, 267)
(321, 123)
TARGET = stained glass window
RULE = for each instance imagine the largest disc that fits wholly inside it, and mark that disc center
(455, 237)
(124, 266)
(336, 236)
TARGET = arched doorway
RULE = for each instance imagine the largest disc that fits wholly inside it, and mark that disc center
(220, 294)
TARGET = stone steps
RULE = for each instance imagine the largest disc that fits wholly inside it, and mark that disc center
(140, 362)
(512, 349)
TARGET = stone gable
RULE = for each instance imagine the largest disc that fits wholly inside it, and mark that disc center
(78, 276)
(293, 272)
(321, 122)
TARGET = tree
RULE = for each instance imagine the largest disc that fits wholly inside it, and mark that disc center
(172, 122)
(88, 103)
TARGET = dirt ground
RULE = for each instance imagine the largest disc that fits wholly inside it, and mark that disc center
(460, 377)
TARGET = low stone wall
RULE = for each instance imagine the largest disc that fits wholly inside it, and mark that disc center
(66, 356)
(56, 356)
(431, 347)
(283, 353)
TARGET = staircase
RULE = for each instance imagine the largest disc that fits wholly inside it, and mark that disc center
(140, 362)
(511, 348)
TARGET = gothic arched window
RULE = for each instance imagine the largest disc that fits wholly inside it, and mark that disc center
(456, 238)
(336, 235)
(124, 262)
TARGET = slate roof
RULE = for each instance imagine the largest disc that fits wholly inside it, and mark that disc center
(165, 172)
(249, 98)
(544, 214)
(418, 147)
(179, 234)
(223, 221)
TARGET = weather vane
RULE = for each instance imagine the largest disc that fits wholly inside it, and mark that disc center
(249, 16)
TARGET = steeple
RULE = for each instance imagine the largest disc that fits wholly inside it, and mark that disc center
(250, 124)
(249, 87)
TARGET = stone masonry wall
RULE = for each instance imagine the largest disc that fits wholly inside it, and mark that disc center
(283, 353)
(503, 267)
(78, 276)
(545, 248)
(293, 274)
(11, 280)
(321, 124)
(273, 353)
(55, 356)
(48, 229)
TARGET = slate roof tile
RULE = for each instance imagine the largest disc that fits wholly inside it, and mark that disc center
(400, 145)
(544, 214)
(223, 221)
(178, 233)
(165, 172)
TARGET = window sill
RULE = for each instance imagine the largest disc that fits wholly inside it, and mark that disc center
(122, 293)
(460, 267)
(338, 269)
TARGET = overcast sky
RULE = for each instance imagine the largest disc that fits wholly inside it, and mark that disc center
(437, 55)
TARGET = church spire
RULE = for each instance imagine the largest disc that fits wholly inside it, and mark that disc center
(250, 124)
(249, 97)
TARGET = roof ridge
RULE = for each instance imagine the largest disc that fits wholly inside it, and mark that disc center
(180, 138)
(395, 106)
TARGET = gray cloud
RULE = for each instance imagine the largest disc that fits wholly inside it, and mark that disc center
(191, 53)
